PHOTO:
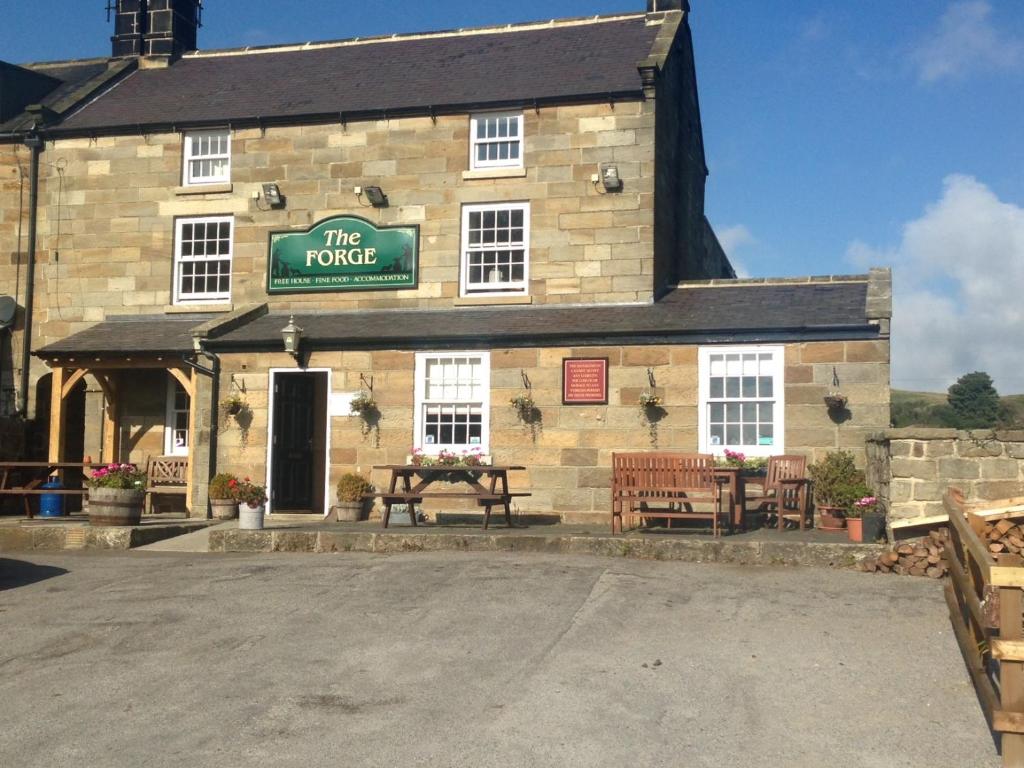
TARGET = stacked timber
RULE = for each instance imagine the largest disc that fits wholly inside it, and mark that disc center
(925, 557)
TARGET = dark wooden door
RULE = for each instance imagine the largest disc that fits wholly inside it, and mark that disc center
(292, 470)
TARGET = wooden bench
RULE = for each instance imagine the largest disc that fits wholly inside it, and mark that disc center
(677, 480)
(165, 475)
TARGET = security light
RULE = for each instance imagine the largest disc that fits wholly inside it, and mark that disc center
(376, 197)
(610, 177)
(272, 194)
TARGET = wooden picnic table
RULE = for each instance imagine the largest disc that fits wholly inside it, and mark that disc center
(24, 478)
(494, 493)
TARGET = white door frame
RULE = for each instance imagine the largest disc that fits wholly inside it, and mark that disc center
(270, 434)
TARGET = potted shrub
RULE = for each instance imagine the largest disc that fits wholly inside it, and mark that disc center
(252, 501)
(223, 504)
(854, 511)
(837, 483)
(117, 494)
(351, 488)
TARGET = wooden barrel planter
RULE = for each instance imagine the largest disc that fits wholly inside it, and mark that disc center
(116, 506)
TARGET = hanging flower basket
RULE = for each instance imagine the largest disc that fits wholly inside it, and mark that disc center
(835, 401)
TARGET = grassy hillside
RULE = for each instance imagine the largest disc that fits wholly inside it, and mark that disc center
(929, 409)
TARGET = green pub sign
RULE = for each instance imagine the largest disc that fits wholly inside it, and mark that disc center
(343, 253)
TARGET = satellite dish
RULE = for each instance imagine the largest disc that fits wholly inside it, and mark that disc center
(8, 308)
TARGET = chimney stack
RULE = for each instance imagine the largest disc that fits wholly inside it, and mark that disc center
(654, 6)
(162, 28)
(129, 27)
(172, 27)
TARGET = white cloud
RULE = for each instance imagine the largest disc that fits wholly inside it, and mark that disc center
(734, 239)
(965, 40)
(958, 290)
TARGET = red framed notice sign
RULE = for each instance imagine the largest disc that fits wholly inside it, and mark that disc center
(584, 381)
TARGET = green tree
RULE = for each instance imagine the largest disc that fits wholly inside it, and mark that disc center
(974, 401)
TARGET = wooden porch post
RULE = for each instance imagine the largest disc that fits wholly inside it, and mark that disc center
(109, 444)
(58, 416)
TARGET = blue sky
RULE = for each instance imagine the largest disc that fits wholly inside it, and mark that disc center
(838, 135)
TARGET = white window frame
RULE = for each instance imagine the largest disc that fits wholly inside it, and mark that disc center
(422, 401)
(778, 399)
(170, 449)
(501, 288)
(188, 179)
(474, 142)
(216, 297)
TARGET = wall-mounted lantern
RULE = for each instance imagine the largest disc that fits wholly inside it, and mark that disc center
(272, 194)
(292, 335)
(376, 197)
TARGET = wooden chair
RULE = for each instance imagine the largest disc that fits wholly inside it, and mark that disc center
(785, 489)
(678, 480)
(165, 475)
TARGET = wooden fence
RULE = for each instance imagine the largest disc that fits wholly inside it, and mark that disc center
(984, 594)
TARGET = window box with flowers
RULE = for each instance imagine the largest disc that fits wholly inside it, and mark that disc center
(117, 493)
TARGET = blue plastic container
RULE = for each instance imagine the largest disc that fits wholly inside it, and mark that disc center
(51, 504)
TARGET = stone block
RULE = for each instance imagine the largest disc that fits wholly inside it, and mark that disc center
(999, 489)
(579, 457)
(822, 352)
(938, 448)
(867, 351)
(915, 468)
(924, 491)
(1015, 450)
(958, 469)
(1000, 469)
(901, 490)
(978, 449)
(646, 356)
(595, 477)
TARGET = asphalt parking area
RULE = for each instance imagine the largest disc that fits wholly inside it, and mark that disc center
(455, 659)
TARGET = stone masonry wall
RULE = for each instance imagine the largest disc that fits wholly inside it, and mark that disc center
(911, 468)
(569, 461)
(118, 198)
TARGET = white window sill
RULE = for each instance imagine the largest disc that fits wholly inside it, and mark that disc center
(182, 309)
(473, 301)
(205, 189)
(495, 173)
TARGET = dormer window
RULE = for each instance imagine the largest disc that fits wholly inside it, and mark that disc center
(207, 157)
(496, 140)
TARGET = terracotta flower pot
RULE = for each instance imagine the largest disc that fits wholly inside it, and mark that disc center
(855, 529)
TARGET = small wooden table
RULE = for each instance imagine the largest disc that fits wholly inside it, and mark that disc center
(30, 475)
(734, 479)
(495, 493)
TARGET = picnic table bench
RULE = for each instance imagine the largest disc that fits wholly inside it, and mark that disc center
(677, 480)
(495, 493)
(25, 478)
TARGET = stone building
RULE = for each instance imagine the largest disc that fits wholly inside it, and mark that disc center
(452, 220)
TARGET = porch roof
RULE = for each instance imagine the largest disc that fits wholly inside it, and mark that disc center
(697, 313)
(131, 335)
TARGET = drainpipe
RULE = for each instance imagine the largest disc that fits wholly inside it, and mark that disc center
(35, 143)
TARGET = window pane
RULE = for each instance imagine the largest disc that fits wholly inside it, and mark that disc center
(749, 386)
(732, 387)
(766, 386)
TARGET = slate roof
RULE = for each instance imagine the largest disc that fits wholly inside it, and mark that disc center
(566, 60)
(78, 81)
(689, 314)
(139, 334)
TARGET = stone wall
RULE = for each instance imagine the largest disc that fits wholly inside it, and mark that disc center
(570, 455)
(911, 468)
